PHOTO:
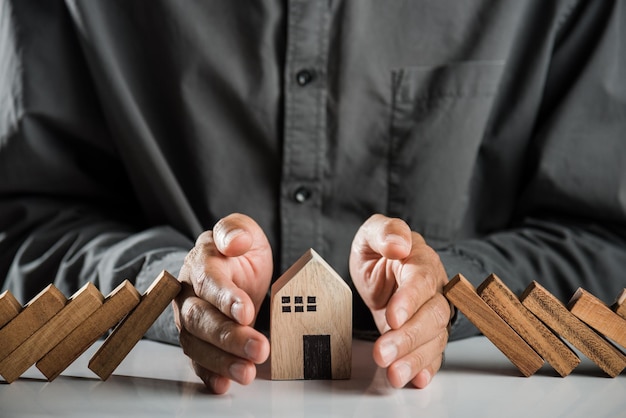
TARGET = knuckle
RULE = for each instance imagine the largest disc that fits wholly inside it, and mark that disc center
(419, 360)
(191, 256)
(442, 340)
(223, 300)
(191, 314)
(224, 334)
(410, 338)
(440, 313)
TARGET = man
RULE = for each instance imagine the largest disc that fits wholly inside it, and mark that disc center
(403, 141)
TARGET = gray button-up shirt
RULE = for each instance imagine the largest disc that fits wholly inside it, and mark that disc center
(494, 128)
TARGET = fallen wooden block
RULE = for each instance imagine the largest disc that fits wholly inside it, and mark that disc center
(116, 305)
(598, 316)
(620, 304)
(36, 313)
(9, 307)
(504, 302)
(463, 295)
(80, 306)
(555, 315)
(126, 335)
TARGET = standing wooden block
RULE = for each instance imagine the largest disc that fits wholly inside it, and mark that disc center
(502, 300)
(9, 307)
(80, 306)
(36, 313)
(310, 322)
(116, 305)
(126, 335)
(555, 315)
(463, 295)
(620, 304)
(599, 316)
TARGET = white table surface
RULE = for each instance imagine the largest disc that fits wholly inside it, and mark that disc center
(156, 380)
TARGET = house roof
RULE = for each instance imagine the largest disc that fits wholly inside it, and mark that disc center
(309, 256)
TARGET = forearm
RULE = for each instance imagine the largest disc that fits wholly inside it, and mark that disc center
(46, 242)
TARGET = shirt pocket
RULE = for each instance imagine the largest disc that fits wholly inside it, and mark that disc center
(439, 117)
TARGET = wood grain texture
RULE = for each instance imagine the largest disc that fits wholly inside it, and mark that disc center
(36, 313)
(132, 328)
(463, 295)
(116, 306)
(598, 316)
(310, 322)
(620, 304)
(9, 307)
(506, 304)
(80, 306)
(555, 315)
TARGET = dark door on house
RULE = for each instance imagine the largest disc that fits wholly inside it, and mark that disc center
(316, 349)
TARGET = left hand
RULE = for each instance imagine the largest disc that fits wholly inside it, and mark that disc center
(401, 279)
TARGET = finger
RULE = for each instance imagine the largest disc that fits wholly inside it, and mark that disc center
(235, 234)
(423, 378)
(420, 276)
(217, 361)
(379, 240)
(429, 323)
(216, 383)
(204, 321)
(383, 236)
(211, 276)
(409, 367)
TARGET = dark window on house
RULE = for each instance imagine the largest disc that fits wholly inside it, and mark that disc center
(298, 304)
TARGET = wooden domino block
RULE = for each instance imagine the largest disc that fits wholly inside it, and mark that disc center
(117, 346)
(463, 295)
(620, 304)
(598, 316)
(555, 315)
(9, 307)
(502, 300)
(82, 304)
(36, 313)
(115, 307)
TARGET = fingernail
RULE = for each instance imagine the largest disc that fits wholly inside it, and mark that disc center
(238, 371)
(251, 349)
(396, 239)
(388, 352)
(231, 235)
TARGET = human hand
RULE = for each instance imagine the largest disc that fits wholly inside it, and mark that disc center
(225, 278)
(401, 279)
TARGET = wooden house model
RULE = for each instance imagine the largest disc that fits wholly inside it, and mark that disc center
(311, 322)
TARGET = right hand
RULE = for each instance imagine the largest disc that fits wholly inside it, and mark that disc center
(225, 278)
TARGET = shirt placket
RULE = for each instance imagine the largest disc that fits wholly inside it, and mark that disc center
(304, 141)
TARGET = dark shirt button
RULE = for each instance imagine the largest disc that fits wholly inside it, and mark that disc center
(302, 194)
(304, 77)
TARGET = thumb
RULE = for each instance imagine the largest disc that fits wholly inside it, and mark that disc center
(234, 235)
(383, 236)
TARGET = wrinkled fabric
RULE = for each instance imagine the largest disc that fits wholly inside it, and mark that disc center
(494, 128)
